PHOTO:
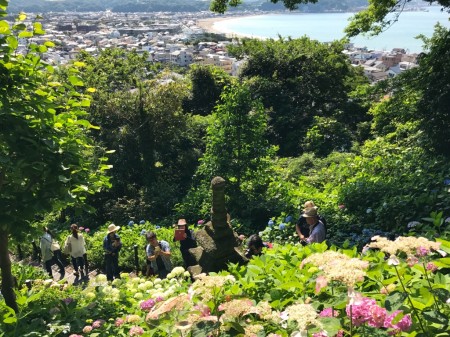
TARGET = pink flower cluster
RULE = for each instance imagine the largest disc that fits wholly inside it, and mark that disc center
(329, 312)
(422, 251)
(366, 310)
(320, 334)
(136, 331)
(98, 324)
(148, 304)
(119, 322)
(75, 335)
(431, 267)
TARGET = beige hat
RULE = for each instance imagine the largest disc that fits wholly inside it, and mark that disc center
(182, 222)
(113, 228)
(310, 212)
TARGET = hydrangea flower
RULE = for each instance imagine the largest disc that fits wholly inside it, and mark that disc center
(329, 312)
(87, 329)
(200, 222)
(431, 267)
(143, 232)
(119, 322)
(130, 223)
(288, 218)
(369, 210)
(136, 331)
(282, 226)
(341, 206)
(157, 227)
(98, 323)
(81, 228)
(148, 304)
(142, 222)
(270, 223)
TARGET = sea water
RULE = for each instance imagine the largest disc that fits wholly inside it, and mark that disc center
(326, 27)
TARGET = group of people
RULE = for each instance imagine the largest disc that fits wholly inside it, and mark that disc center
(310, 227)
(75, 246)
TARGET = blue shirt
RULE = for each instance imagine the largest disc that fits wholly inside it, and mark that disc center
(108, 245)
(317, 233)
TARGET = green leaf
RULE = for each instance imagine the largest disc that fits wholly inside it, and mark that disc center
(10, 320)
(12, 41)
(76, 81)
(331, 324)
(25, 34)
(20, 26)
(4, 27)
(49, 44)
(38, 28)
(22, 16)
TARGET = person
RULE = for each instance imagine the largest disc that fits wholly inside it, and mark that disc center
(51, 253)
(112, 246)
(186, 242)
(302, 227)
(158, 253)
(317, 231)
(76, 248)
(255, 246)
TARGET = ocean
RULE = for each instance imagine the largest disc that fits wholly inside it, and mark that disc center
(326, 27)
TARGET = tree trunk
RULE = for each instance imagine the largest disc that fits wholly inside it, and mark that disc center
(5, 266)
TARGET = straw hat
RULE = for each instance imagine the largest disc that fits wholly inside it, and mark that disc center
(182, 222)
(113, 228)
(310, 212)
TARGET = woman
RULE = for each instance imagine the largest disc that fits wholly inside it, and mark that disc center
(76, 247)
(51, 253)
(187, 242)
(112, 246)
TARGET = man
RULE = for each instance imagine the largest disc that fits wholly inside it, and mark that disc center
(112, 246)
(317, 230)
(158, 253)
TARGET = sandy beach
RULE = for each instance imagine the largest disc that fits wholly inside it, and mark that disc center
(209, 25)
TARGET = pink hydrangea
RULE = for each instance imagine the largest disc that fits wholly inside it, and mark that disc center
(321, 282)
(403, 325)
(87, 329)
(204, 310)
(320, 334)
(87, 230)
(147, 305)
(377, 316)
(431, 267)
(329, 312)
(422, 251)
(412, 260)
(340, 333)
(341, 206)
(75, 335)
(119, 322)
(159, 299)
(98, 323)
(136, 331)
(81, 228)
(200, 222)
(359, 312)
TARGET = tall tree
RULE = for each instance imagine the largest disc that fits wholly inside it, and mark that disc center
(237, 149)
(299, 79)
(47, 158)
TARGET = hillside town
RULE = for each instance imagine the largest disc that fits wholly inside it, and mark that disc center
(168, 38)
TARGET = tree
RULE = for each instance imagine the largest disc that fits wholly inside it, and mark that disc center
(237, 149)
(298, 79)
(208, 83)
(47, 158)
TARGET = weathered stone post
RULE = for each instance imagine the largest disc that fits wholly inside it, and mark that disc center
(217, 243)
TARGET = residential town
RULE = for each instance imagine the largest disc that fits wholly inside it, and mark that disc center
(167, 38)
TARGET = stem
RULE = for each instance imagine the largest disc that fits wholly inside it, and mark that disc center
(429, 285)
(410, 301)
(351, 320)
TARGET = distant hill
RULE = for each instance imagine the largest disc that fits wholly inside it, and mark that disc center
(42, 6)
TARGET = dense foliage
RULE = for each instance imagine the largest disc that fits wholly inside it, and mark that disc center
(288, 291)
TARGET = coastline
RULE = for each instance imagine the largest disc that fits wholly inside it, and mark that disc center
(209, 26)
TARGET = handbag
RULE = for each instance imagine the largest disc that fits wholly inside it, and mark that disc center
(55, 246)
(67, 247)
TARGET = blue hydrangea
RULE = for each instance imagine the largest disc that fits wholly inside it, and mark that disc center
(130, 223)
(270, 223)
(447, 181)
(288, 218)
(157, 227)
(282, 226)
(142, 222)
(143, 232)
